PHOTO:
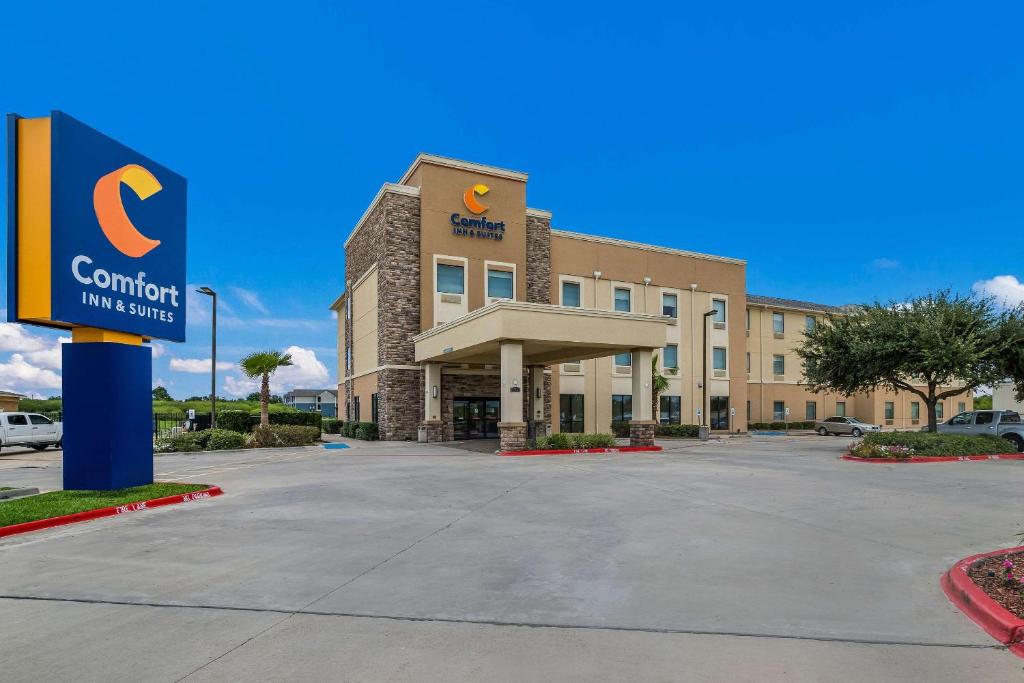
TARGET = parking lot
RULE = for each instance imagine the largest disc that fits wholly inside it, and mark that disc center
(763, 558)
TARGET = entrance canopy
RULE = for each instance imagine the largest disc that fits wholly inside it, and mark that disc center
(549, 334)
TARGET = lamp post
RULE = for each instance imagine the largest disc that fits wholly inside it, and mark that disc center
(704, 383)
(213, 357)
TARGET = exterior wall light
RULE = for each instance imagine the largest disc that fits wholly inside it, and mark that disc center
(433, 391)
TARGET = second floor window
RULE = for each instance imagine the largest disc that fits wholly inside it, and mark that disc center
(622, 299)
(624, 359)
(778, 364)
(811, 322)
(778, 323)
(669, 305)
(499, 284)
(449, 279)
(671, 360)
(719, 306)
(571, 294)
(718, 358)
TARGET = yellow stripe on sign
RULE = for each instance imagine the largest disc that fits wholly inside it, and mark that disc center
(33, 191)
(94, 334)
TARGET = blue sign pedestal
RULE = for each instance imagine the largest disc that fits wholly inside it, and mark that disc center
(108, 415)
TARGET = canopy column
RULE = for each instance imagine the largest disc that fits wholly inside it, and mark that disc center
(641, 427)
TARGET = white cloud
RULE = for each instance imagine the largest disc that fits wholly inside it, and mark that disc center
(197, 365)
(20, 375)
(50, 357)
(1006, 289)
(158, 349)
(306, 372)
(239, 386)
(250, 299)
(885, 263)
(14, 337)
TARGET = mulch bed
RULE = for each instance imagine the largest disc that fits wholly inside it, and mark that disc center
(990, 575)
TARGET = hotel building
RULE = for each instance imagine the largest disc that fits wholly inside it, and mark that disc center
(466, 315)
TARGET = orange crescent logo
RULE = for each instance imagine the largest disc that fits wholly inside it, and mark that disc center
(106, 200)
(469, 198)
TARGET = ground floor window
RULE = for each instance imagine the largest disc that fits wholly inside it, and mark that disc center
(719, 412)
(570, 413)
(779, 411)
(355, 408)
(890, 411)
(622, 407)
(669, 410)
(915, 411)
(748, 411)
(961, 407)
(811, 411)
(938, 411)
(373, 407)
(841, 408)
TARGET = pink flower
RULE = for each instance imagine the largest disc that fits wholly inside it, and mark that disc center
(1008, 564)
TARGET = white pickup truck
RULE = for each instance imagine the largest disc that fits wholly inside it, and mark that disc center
(31, 430)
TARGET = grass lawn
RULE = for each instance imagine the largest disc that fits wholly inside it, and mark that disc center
(57, 503)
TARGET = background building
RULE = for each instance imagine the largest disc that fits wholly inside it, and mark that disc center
(324, 401)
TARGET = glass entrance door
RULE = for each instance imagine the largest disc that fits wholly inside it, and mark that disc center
(476, 418)
(719, 412)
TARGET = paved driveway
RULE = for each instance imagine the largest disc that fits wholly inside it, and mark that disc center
(746, 559)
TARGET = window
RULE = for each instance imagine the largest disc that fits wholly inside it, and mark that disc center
(748, 411)
(719, 306)
(961, 407)
(748, 320)
(841, 408)
(622, 407)
(779, 323)
(719, 412)
(915, 411)
(778, 364)
(779, 411)
(669, 410)
(499, 284)
(449, 279)
(718, 358)
(39, 420)
(811, 322)
(983, 418)
(355, 408)
(17, 420)
(624, 359)
(890, 410)
(811, 410)
(939, 410)
(1010, 417)
(961, 419)
(570, 414)
(622, 299)
(571, 294)
(374, 406)
(669, 305)
(671, 359)
(748, 361)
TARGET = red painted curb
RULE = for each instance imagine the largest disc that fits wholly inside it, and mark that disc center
(938, 458)
(970, 599)
(582, 451)
(38, 524)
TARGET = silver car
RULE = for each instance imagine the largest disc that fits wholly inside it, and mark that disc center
(846, 425)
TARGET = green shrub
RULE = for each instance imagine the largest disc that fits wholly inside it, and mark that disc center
(224, 439)
(565, 441)
(367, 431)
(332, 426)
(240, 421)
(898, 445)
(620, 429)
(299, 417)
(186, 442)
(282, 435)
(679, 431)
(776, 425)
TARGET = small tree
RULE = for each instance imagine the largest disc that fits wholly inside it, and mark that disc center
(161, 394)
(918, 347)
(263, 364)
(659, 385)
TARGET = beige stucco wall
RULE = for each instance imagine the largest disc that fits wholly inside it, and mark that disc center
(364, 387)
(364, 324)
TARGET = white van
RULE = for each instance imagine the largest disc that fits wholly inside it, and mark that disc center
(31, 430)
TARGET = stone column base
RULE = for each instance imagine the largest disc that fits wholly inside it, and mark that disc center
(641, 432)
(433, 429)
(513, 436)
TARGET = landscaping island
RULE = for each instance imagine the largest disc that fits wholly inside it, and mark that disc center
(1002, 578)
(925, 446)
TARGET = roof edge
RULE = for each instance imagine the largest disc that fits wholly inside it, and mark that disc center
(449, 162)
(642, 245)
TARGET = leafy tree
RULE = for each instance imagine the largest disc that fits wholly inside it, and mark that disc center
(920, 346)
(254, 396)
(161, 394)
(263, 364)
(983, 402)
(659, 385)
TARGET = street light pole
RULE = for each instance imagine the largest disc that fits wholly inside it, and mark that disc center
(213, 357)
(704, 383)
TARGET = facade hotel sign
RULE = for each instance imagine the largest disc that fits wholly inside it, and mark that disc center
(477, 227)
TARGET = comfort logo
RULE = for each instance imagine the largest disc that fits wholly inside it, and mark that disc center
(106, 200)
(470, 195)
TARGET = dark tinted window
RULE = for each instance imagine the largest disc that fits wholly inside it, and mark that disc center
(1010, 417)
(40, 420)
(983, 418)
(16, 420)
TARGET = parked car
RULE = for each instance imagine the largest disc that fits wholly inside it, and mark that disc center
(31, 430)
(846, 425)
(1003, 423)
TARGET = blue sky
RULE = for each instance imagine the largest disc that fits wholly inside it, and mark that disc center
(848, 151)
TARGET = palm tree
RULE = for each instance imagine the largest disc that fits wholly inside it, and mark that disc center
(263, 364)
(659, 385)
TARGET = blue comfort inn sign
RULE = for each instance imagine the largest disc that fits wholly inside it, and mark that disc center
(96, 245)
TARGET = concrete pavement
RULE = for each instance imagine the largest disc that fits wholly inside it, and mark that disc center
(760, 559)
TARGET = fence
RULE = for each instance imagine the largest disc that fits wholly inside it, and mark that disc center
(169, 424)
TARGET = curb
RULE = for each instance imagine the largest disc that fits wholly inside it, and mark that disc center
(583, 451)
(938, 458)
(970, 599)
(86, 515)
